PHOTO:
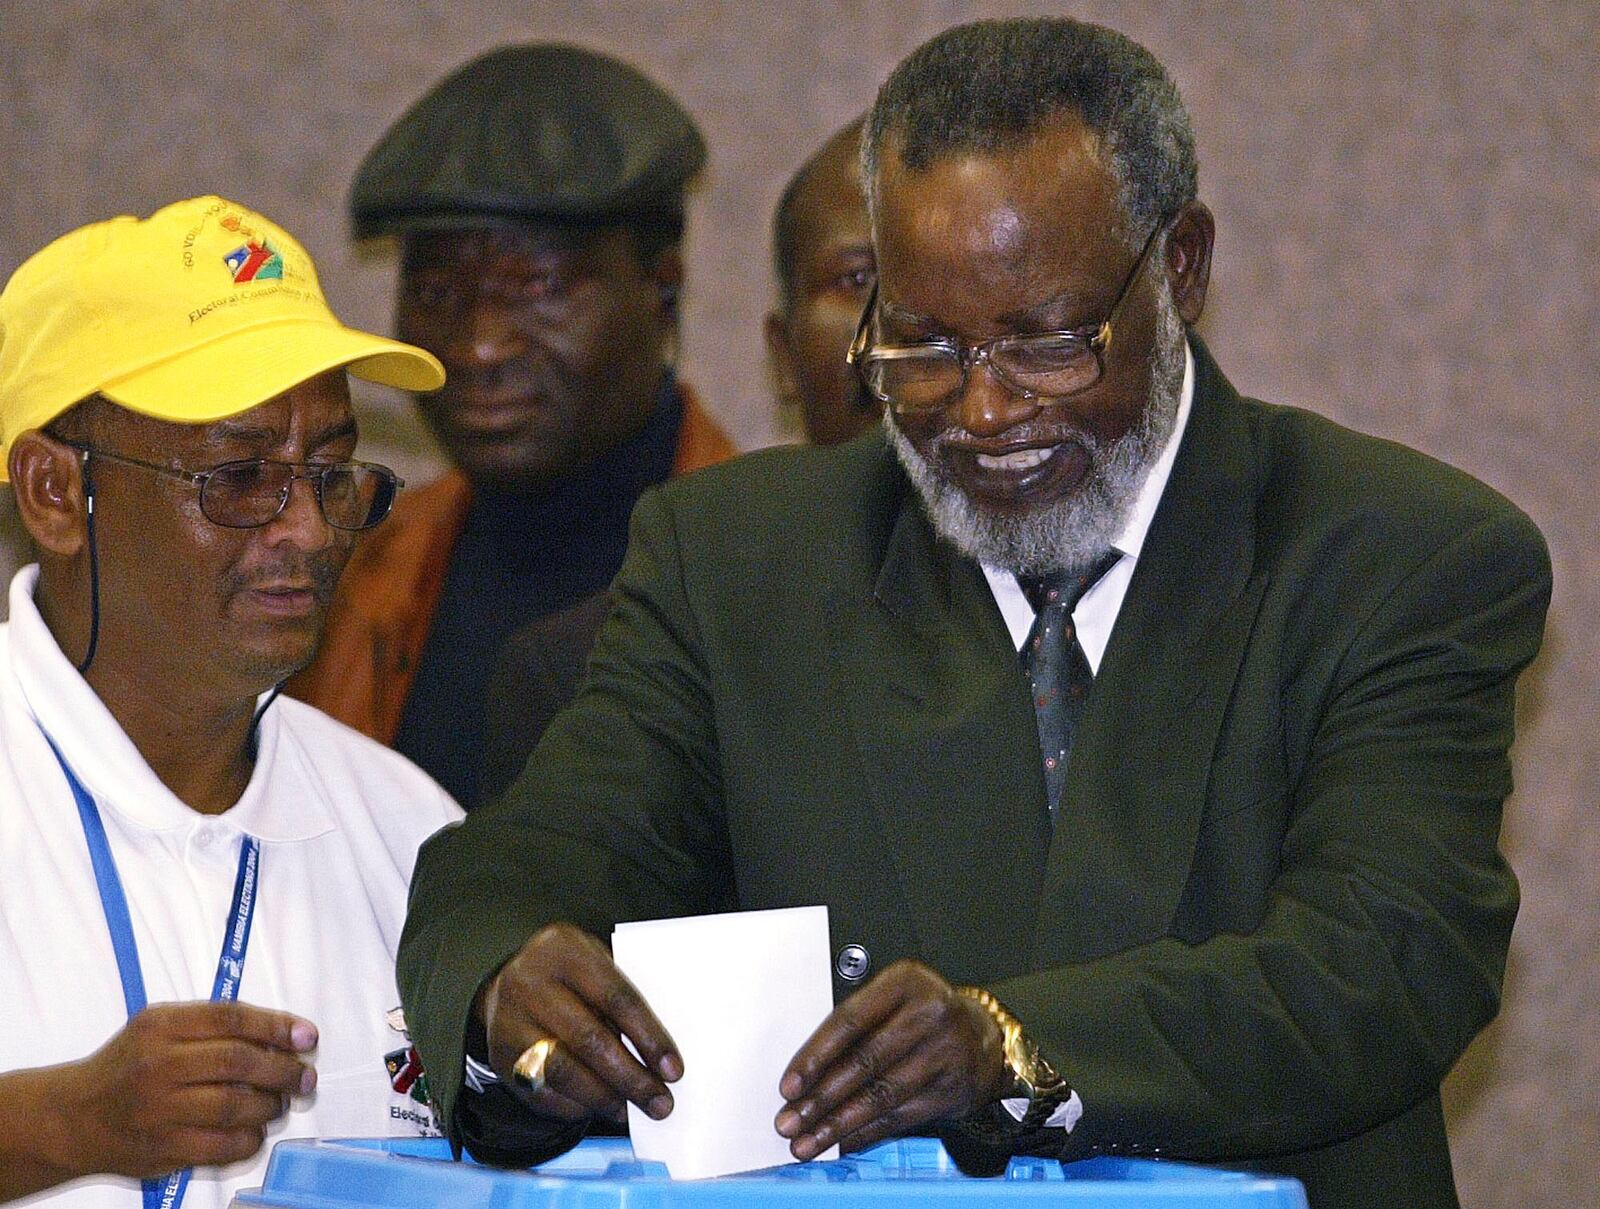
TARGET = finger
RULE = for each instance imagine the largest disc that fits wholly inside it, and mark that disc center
(590, 1064)
(591, 1054)
(549, 1103)
(225, 1108)
(229, 1018)
(844, 1028)
(571, 1092)
(908, 1096)
(863, 1066)
(228, 1061)
(607, 991)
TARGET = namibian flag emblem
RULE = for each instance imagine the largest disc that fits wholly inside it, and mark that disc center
(254, 262)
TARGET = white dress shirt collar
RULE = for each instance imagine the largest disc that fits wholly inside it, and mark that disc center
(1097, 610)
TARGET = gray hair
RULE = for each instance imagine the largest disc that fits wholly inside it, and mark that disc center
(991, 85)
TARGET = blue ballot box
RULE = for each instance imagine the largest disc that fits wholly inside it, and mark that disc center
(601, 1173)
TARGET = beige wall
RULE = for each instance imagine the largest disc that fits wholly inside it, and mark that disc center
(1405, 196)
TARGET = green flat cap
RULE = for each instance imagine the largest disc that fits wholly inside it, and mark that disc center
(545, 132)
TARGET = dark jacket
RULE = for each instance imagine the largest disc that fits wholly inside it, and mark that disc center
(380, 617)
(1272, 912)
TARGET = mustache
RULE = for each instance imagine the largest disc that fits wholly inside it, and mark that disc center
(1054, 431)
(320, 570)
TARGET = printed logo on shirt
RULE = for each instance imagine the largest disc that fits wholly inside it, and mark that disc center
(406, 1074)
(407, 1078)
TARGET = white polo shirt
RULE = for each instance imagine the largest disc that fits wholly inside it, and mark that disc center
(339, 818)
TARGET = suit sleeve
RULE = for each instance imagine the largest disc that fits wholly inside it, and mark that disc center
(1383, 943)
(638, 747)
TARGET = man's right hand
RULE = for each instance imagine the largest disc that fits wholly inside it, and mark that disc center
(563, 986)
(181, 1085)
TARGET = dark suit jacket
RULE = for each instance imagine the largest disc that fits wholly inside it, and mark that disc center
(537, 673)
(1272, 912)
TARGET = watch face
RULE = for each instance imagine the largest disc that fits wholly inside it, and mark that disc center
(1022, 1056)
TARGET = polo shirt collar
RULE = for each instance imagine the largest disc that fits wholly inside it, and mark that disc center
(111, 768)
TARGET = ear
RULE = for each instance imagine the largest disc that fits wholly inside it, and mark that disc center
(781, 360)
(1189, 259)
(667, 273)
(47, 477)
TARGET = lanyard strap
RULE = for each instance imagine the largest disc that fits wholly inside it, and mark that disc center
(164, 1193)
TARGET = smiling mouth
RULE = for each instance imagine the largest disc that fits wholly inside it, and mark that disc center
(1022, 459)
(1020, 478)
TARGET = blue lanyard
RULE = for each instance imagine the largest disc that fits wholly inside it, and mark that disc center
(164, 1193)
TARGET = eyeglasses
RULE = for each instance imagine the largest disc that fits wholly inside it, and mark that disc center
(924, 377)
(249, 494)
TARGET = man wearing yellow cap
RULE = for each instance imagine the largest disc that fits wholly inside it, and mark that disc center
(175, 422)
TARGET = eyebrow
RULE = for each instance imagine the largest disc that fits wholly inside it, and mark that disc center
(245, 433)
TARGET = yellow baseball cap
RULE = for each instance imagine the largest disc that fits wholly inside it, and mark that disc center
(199, 312)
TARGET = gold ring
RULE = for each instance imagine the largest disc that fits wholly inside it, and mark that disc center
(530, 1065)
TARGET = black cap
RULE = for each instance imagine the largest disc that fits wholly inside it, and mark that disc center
(544, 132)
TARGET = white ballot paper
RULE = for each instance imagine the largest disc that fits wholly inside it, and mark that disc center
(739, 993)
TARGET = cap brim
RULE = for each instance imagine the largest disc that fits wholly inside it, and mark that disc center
(246, 368)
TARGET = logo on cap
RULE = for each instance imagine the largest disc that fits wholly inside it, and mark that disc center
(254, 262)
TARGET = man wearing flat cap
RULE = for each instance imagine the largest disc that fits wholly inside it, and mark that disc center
(203, 884)
(822, 257)
(538, 197)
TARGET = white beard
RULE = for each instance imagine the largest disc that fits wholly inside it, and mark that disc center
(1074, 531)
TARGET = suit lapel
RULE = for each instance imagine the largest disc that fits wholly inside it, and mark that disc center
(1136, 785)
(949, 757)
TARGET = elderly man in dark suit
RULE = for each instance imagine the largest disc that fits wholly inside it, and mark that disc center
(1147, 743)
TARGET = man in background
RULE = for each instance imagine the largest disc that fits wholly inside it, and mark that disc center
(175, 423)
(538, 197)
(822, 257)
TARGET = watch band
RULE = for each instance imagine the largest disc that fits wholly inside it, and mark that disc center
(1038, 1081)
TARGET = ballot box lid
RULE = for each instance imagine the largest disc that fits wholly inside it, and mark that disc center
(601, 1173)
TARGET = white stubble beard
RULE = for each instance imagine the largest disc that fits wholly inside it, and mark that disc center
(1075, 530)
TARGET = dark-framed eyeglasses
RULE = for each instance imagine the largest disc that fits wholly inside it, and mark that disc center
(925, 376)
(248, 494)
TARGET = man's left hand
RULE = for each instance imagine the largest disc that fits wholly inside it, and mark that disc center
(904, 1050)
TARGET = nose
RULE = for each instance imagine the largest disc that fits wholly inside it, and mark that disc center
(301, 522)
(486, 335)
(986, 406)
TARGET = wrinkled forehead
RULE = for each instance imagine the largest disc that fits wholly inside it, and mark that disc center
(1046, 202)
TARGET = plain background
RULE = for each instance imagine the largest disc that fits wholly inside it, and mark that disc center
(1405, 196)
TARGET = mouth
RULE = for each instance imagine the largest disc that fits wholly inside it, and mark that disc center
(1020, 477)
(488, 416)
(1022, 459)
(285, 600)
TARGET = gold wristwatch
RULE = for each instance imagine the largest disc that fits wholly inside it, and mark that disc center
(1035, 1078)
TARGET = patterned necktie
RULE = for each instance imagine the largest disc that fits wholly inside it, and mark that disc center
(1058, 671)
